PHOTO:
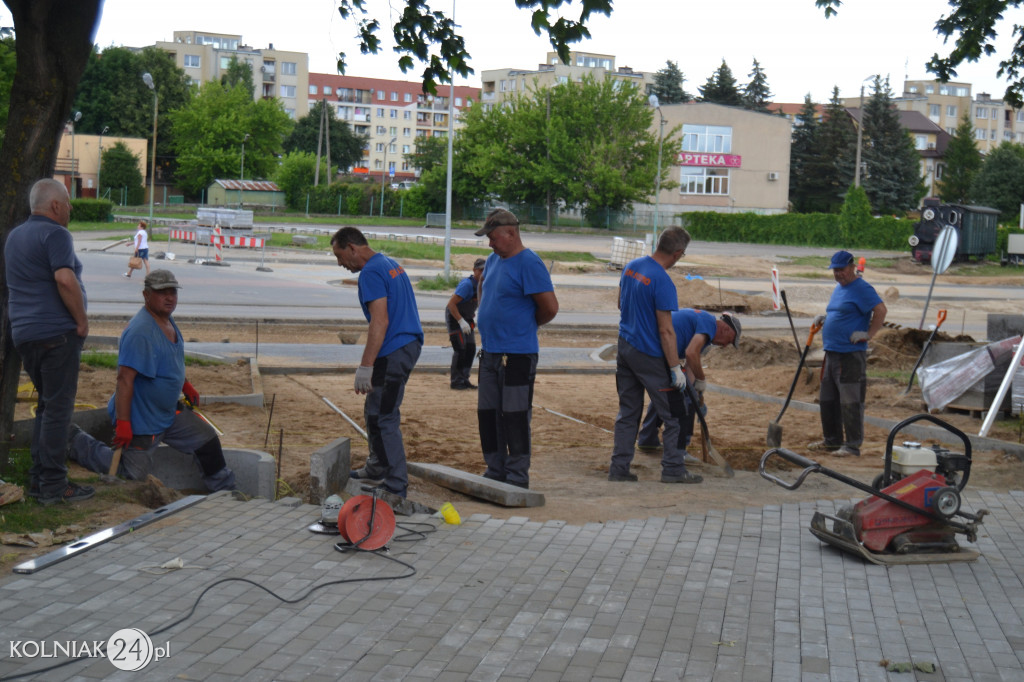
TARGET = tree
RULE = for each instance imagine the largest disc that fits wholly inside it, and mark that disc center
(973, 23)
(855, 215)
(807, 181)
(209, 132)
(893, 178)
(428, 153)
(837, 140)
(112, 94)
(756, 93)
(668, 85)
(238, 73)
(121, 170)
(346, 146)
(1000, 182)
(594, 150)
(7, 67)
(295, 175)
(418, 29)
(721, 88)
(53, 42)
(962, 162)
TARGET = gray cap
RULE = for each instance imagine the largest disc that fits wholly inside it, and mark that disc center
(479, 263)
(161, 279)
(495, 219)
(734, 323)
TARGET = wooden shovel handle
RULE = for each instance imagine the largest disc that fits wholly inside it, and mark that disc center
(115, 461)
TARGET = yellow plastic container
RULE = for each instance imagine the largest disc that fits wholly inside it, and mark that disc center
(449, 514)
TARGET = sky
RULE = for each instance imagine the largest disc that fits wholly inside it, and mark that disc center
(800, 51)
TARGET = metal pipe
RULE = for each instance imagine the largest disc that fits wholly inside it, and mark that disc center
(346, 418)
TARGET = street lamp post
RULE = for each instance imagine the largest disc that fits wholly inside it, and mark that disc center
(99, 165)
(383, 174)
(653, 101)
(148, 80)
(860, 135)
(241, 173)
(74, 122)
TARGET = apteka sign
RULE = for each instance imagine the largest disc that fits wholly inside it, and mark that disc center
(714, 160)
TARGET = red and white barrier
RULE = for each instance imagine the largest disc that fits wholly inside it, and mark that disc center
(247, 242)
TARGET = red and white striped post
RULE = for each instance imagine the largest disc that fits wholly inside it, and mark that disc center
(776, 300)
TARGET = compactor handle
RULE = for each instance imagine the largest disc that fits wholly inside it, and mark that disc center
(809, 467)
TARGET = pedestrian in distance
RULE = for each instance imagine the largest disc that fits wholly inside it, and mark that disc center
(141, 243)
(696, 331)
(516, 299)
(47, 311)
(147, 407)
(393, 344)
(648, 360)
(458, 316)
(855, 313)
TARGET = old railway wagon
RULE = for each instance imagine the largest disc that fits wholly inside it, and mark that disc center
(975, 226)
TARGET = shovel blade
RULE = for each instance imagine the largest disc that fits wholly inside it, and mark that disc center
(774, 437)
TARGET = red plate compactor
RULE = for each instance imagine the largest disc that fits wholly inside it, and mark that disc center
(913, 514)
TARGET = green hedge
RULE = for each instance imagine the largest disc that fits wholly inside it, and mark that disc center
(92, 210)
(800, 229)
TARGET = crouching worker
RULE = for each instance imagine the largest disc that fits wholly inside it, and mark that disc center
(145, 408)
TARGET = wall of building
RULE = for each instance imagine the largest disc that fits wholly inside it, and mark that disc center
(757, 160)
(78, 156)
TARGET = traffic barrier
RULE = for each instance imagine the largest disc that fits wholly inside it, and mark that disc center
(246, 242)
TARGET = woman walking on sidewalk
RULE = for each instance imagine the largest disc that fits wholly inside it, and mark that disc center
(141, 247)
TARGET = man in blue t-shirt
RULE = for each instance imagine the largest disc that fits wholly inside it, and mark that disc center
(854, 315)
(647, 359)
(458, 316)
(696, 331)
(146, 409)
(516, 298)
(393, 343)
(46, 308)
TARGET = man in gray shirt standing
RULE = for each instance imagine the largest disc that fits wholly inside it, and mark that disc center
(48, 322)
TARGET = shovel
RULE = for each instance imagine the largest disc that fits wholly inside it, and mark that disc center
(705, 438)
(796, 341)
(774, 438)
(927, 344)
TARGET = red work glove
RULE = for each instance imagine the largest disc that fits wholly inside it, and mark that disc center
(191, 394)
(122, 433)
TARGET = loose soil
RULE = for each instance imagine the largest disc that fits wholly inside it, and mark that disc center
(573, 415)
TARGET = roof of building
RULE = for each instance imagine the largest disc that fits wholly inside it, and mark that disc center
(249, 185)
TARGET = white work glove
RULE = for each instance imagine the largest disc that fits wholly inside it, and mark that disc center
(818, 320)
(857, 337)
(363, 376)
(464, 326)
(678, 377)
(700, 385)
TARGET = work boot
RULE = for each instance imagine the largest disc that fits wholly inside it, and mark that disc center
(685, 477)
(622, 478)
(363, 475)
(72, 493)
(822, 446)
(845, 452)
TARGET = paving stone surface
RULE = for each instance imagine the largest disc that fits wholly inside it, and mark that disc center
(746, 594)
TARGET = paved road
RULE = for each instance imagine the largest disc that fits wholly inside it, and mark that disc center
(310, 286)
(746, 595)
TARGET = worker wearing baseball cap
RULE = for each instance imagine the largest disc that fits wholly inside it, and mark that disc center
(696, 332)
(854, 314)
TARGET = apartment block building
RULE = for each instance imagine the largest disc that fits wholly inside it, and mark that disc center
(392, 114)
(499, 84)
(930, 141)
(944, 104)
(277, 74)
